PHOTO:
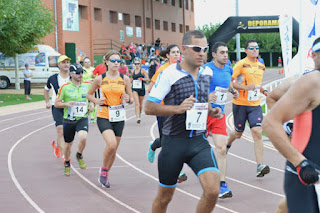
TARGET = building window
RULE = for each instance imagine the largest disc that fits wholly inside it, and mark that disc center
(126, 19)
(173, 2)
(138, 21)
(186, 4)
(164, 1)
(97, 14)
(113, 17)
(180, 28)
(165, 25)
(191, 5)
(180, 3)
(187, 28)
(157, 24)
(83, 12)
(173, 27)
(148, 22)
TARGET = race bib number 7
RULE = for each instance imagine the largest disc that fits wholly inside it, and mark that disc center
(197, 117)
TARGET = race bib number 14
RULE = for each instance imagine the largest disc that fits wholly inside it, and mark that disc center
(79, 109)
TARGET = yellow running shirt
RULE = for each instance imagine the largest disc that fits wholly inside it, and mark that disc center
(112, 90)
(246, 72)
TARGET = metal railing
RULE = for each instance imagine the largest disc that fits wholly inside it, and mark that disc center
(102, 46)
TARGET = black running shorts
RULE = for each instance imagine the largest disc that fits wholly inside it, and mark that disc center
(243, 113)
(195, 151)
(57, 114)
(105, 124)
(71, 127)
(141, 92)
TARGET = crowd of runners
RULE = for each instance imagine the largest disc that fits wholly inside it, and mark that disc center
(188, 95)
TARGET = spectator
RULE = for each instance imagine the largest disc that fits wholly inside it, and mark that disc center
(157, 44)
(152, 68)
(279, 62)
(260, 59)
(27, 81)
(123, 69)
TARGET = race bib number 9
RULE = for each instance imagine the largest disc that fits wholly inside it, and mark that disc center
(137, 84)
(79, 109)
(197, 117)
(254, 95)
(117, 113)
(221, 94)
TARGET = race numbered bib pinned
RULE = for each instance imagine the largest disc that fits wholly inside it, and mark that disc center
(254, 95)
(79, 109)
(197, 117)
(221, 94)
(117, 113)
(137, 84)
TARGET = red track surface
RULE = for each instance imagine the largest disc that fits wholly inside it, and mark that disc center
(32, 180)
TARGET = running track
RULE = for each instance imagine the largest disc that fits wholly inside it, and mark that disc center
(32, 180)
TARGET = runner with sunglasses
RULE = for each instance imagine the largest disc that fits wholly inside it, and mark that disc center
(139, 77)
(72, 97)
(248, 74)
(184, 87)
(172, 53)
(111, 113)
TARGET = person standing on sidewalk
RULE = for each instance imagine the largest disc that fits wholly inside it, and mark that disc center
(55, 81)
(220, 84)
(111, 112)
(248, 74)
(72, 98)
(27, 81)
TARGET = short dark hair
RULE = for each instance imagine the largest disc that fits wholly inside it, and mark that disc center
(187, 37)
(250, 41)
(164, 53)
(217, 45)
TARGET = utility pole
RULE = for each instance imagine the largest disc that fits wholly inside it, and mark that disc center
(238, 35)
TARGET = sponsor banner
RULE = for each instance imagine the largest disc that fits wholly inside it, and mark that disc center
(70, 15)
(285, 29)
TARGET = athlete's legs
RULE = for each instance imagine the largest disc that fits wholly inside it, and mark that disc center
(82, 140)
(258, 143)
(163, 198)
(110, 151)
(60, 138)
(210, 184)
(140, 104)
(233, 136)
(67, 151)
(220, 142)
(136, 103)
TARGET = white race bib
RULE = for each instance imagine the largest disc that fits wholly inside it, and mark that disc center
(197, 117)
(221, 94)
(79, 109)
(117, 113)
(254, 95)
(317, 188)
(137, 84)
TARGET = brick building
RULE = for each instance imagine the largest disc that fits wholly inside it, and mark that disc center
(103, 24)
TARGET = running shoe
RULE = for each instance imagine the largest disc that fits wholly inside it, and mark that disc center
(224, 191)
(182, 177)
(56, 149)
(103, 178)
(262, 170)
(81, 162)
(67, 169)
(92, 120)
(138, 120)
(151, 153)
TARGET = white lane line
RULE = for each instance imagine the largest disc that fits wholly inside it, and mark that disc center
(13, 177)
(103, 191)
(23, 123)
(21, 116)
(98, 167)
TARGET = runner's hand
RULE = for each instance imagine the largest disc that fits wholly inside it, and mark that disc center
(91, 106)
(100, 101)
(187, 104)
(213, 97)
(251, 87)
(215, 112)
(235, 94)
(126, 98)
(48, 105)
(71, 103)
(307, 172)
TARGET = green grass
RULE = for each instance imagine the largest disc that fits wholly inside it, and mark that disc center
(13, 99)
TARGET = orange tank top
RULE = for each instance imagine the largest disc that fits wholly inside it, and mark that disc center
(112, 90)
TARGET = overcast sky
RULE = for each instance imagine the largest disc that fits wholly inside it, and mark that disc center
(217, 11)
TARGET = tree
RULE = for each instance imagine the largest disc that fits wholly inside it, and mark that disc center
(22, 24)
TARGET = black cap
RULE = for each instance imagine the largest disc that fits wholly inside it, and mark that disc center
(75, 68)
